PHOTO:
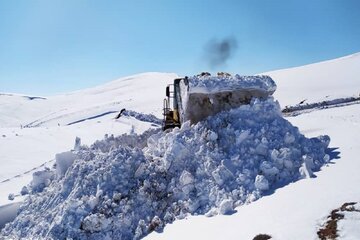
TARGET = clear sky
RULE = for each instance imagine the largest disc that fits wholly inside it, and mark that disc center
(53, 46)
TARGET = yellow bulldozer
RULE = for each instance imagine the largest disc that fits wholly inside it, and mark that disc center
(195, 98)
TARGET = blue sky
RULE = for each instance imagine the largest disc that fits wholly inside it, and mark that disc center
(50, 46)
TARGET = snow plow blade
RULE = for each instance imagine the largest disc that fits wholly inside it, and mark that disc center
(202, 105)
(196, 98)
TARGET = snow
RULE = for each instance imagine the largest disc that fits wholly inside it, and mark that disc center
(8, 213)
(26, 150)
(209, 84)
(41, 179)
(261, 183)
(349, 226)
(208, 95)
(34, 131)
(297, 210)
(140, 93)
(317, 82)
(192, 170)
(226, 207)
(292, 211)
(63, 161)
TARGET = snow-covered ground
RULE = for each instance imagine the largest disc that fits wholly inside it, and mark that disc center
(318, 82)
(34, 129)
(232, 158)
(295, 211)
(141, 93)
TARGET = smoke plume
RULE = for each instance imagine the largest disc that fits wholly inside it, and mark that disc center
(218, 52)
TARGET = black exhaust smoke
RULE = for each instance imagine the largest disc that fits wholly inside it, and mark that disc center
(218, 52)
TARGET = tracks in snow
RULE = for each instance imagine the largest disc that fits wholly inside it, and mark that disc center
(67, 118)
(66, 115)
(92, 117)
(293, 111)
(27, 172)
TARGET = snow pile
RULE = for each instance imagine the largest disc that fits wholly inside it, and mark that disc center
(143, 117)
(64, 161)
(203, 96)
(207, 84)
(128, 186)
(41, 179)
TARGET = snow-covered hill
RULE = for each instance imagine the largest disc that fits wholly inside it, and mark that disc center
(295, 211)
(317, 82)
(142, 93)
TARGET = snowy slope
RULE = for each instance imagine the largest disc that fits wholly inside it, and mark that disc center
(317, 82)
(45, 122)
(142, 93)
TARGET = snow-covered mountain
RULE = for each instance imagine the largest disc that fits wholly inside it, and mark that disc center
(296, 211)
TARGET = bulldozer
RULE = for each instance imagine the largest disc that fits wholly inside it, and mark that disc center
(195, 98)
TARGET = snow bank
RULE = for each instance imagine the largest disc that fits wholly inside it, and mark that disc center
(208, 84)
(125, 187)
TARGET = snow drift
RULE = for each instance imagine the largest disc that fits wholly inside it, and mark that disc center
(125, 187)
